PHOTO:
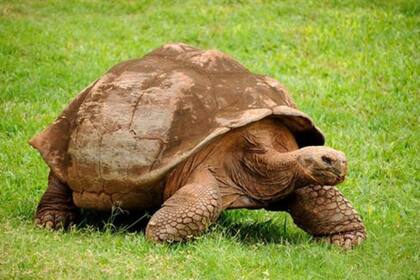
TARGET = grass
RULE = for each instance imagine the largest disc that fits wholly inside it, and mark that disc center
(352, 65)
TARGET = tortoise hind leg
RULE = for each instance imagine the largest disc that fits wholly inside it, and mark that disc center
(56, 209)
(327, 215)
(187, 213)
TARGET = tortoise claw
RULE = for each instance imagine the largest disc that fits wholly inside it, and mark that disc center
(345, 240)
(55, 219)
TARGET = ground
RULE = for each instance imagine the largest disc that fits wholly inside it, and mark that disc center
(352, 65)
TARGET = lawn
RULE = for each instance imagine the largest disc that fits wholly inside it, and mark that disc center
(352, 65)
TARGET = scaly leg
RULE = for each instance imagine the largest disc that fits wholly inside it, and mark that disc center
(327, 215)
(56, 209)
(188, 212)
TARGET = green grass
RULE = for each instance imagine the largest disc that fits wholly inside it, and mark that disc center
(352, 65)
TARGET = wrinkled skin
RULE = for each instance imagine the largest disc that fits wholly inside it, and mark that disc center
(256, 166)
(56, 209)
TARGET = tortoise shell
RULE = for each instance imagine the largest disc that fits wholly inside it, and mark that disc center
(124, 133)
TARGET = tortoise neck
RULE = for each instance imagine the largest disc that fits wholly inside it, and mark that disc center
(267, 177)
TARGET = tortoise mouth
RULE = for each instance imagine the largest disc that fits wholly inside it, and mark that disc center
(334, 176)
(341, 178)
(341, 174)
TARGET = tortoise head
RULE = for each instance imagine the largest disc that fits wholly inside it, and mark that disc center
(322, 165)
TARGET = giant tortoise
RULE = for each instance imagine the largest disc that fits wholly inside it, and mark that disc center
(191, 133)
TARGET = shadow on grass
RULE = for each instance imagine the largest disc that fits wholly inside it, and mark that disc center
(259, 232)
(115, 221)
(245, 232)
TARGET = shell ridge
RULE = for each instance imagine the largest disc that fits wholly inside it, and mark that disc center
(200, 69)
(144, 86)
(101, 178)
(213, 92)
(158, 156)
(289, 103)
(134, 110)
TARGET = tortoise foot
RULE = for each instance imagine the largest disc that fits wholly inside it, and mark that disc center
(56, 219)
(346, 240)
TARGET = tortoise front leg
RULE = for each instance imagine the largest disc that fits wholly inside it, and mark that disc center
(188, 212)
(327, 215)
(56, 208)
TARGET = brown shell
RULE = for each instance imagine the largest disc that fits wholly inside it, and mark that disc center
(128, 129)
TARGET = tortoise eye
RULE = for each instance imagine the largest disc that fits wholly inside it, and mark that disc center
(326, 159)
